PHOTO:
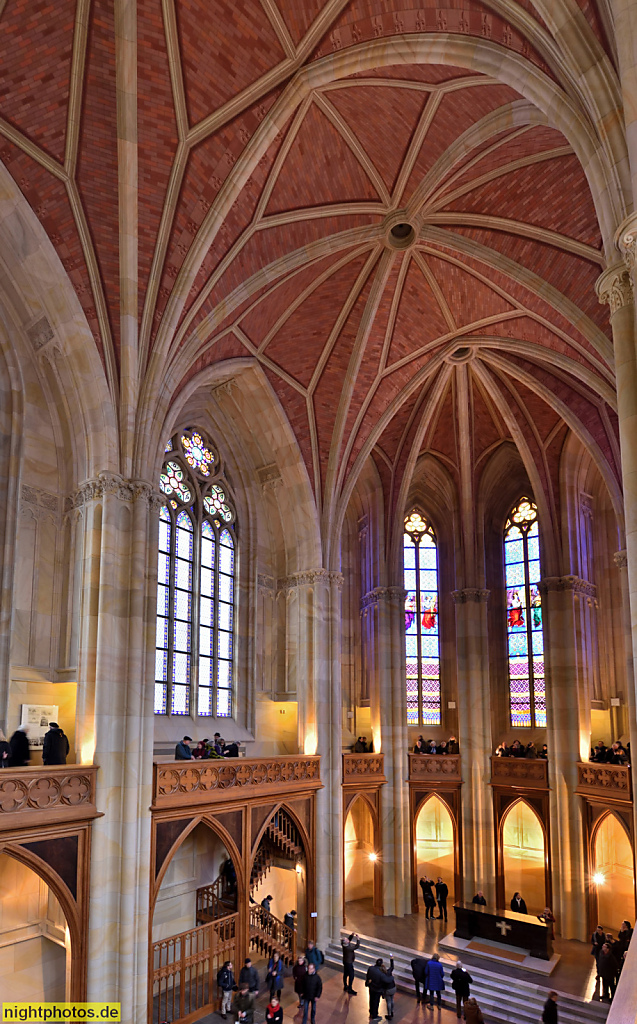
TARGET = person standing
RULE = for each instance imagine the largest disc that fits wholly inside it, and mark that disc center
(313, 955)
(377, 981)
(426, 884)
(288, 919)
(435, 980)
(349, 947)
(442, 891)
(390, 992)
(248, 975)
(298, 973)
(5, 750)
(549, 1013)
(225, 981)
(266, 901)
(55, 746)
(274, 1012)
(461, 982)
(607, 970)
(418, 967)
(243, 1006)
(312, 990)
(518, 904)
(19, 754)
(479, 899)
(182, 750)
(275, 975)
(472, 1012)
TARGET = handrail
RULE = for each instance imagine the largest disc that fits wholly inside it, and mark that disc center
(275, 934)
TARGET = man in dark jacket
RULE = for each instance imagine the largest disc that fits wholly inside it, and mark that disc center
(231, 749)
(55, 746)
(607, 970)
(461, 981)
(518, 904)
(350, 945)
(426, 884)
(243, 1006)
(442, 891)
(248, 975)
(549, 1013)
(418, 968)
(19, 755)
(289, 919)
(377, 981)
(312, 990)
(225, 981)
(182, 750)
(479, 899)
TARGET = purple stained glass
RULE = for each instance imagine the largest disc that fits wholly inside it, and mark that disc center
(422, 645)
(183, 574)
(164, 533)
(524, 615)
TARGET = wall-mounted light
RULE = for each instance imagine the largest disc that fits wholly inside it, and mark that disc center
(599, 878)
(373, 857)
(298, 868)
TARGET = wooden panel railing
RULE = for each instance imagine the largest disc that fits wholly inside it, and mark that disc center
(43, 795)
(269, 935)
(186, 783)
(520, 773)
(361, 768)
(434, 767)
(215, 901)
(612, 781)
(185, 966)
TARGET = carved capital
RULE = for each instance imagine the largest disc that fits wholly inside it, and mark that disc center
(266, 582)
(615, 287)
(626, 241)
(310, 577)
(225, 387)
(563, 583)
(113, 484)
(620, 559)
(373, 597)
(470, 594)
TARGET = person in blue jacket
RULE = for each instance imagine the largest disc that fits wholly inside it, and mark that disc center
(274, 976)
(434, 979)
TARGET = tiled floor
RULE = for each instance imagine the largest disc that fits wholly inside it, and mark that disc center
(574, 974)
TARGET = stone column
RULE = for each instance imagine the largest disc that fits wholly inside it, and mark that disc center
(320, 714)
(116, 718)
(476, 742)
(565, 601)
(385, 661)
(621, 561)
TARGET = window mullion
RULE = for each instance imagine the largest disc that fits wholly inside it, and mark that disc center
(172, 565)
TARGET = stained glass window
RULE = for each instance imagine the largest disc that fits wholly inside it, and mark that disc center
(195, 587)
(525, 637)
(422, 635)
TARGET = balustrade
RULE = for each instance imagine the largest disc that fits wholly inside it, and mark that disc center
(185, 969)
(612, 781)
(361, 768)
(182, 783)
(430, 767)
(520, 772)
(46, 795)
(269, 935)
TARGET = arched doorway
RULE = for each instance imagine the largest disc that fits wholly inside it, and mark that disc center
(195, 924)
(278, 888)
(434, 836)
(361, 864)
(613, 873)
(524, 856)
(35, 945)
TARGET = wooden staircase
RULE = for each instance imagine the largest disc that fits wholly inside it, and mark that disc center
(280, 840)
(269, 935)
(215, 901)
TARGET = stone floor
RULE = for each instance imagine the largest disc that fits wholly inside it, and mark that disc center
(574, 974)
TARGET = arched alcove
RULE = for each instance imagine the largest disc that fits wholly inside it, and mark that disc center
(360, 852)
(524, 856)
(35, 943)
(613, 862)
(435, 841)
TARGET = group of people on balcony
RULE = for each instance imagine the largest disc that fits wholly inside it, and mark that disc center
(449, 746)
(617, 753)
(362, 746)
(215, 748)
(16, 752)
(609, 956)
(518, 749)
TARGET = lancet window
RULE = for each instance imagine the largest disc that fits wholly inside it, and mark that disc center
(422, 635)
(525, 637)
(196, 582)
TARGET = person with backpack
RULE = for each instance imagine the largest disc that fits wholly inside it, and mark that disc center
(225, 981)
(314, 955)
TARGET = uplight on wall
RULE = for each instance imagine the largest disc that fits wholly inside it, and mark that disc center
(87, 751)
(310, 742)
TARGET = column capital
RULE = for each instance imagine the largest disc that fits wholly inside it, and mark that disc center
(107, 483)
(614, 287)
(470, 594)
(620, 559)
(310, 577)
(564, 583)
(626, 240)
(379, 594)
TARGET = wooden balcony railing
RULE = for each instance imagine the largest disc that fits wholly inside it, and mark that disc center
(183, 783)
(184, 979)
(269, 935)
(434, 767)
(520, 773)
(362, 768)
(46, 795)
(611, 781)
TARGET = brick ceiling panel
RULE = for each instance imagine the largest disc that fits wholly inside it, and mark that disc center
(320, 169)
(35, 61)
(519, 191)
(527, 329)
(487, 425)
(226, 348)
(226, 45)
(295, 408)
(97, 173)
(390, 114)
(457, 112)
(298, 17)
(157, 132)
(298, 345)
(419, 319)
(393, 434)
(468, 299)
(441, 437)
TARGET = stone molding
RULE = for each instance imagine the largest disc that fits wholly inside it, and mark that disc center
(368, 767)
(310, 577)
(620, 559)
(185, 782)
(615, 287)
(432, 767)
(610, 780)
(269, 477)
(379, 594)
(39, 502)
(562, 583)
(114, 484)
(470, 594)
(626, 241)
(226, 387)
(40, 333)
(518, 771)
(266, 582)
(35, 795)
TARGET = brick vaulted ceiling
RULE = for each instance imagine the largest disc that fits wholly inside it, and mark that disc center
(486, 327)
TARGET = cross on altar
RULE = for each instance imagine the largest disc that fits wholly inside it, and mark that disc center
(504, 927)
(522, 930)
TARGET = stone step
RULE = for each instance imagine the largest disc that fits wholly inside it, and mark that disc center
(502, 999)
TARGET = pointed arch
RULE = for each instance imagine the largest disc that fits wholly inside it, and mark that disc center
(612, 858)
(523, 849)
